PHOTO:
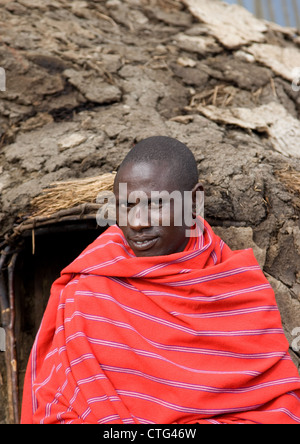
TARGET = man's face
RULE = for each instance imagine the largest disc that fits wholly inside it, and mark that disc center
(149, 225)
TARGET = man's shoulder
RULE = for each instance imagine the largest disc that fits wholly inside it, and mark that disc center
(100, 249)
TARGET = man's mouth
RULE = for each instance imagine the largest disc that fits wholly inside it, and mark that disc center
(140, 244)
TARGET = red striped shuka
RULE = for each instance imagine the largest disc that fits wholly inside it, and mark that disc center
(194, 337)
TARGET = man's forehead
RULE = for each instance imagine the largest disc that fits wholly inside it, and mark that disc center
(147, 166)
(147, 176)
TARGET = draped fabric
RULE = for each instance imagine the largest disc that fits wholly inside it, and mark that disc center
(194, 337)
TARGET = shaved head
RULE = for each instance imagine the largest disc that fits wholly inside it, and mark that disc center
(175, 155)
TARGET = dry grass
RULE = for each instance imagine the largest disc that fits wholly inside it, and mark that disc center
(64, 195)
(291, 179)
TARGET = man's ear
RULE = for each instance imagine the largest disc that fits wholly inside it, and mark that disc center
(198, 200)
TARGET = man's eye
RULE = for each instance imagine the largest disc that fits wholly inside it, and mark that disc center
(124, 205)
(156, 204)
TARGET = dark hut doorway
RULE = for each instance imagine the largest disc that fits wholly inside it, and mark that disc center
(42, 254)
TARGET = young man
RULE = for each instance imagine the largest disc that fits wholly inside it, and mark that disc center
(158, 321)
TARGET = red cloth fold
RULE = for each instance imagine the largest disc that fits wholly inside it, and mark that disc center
(188, 338)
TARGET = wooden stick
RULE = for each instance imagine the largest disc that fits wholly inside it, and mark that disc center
(11, 354)
(4, 303)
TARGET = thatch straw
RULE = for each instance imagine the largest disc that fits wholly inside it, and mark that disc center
(64, 195)
(291, 179)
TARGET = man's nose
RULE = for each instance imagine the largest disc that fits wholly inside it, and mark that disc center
(138, 217)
